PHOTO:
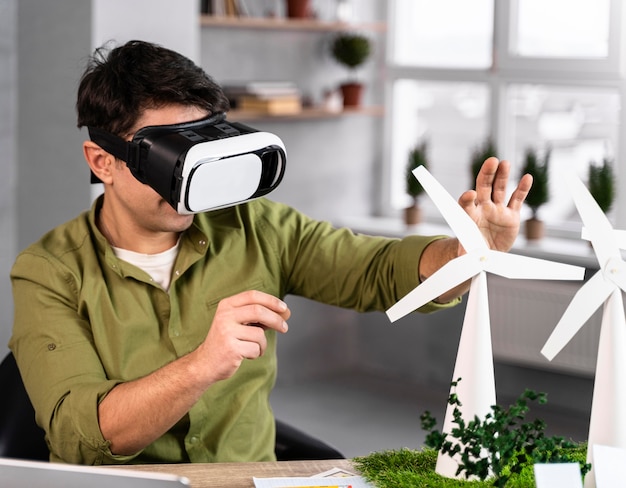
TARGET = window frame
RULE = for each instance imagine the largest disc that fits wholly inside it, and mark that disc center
(505, 16)
(511, 69)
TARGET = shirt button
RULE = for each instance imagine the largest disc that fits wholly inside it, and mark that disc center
(202, 242)
(177, 272)
(194, 440)
(176, 333)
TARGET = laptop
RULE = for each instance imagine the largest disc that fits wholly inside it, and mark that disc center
(16, 473)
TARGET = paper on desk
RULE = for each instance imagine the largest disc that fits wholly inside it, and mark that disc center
(608, 464)
(353, 481)
(333, 472)
(558, 475)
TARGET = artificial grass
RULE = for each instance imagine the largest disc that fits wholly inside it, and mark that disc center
(407, 468)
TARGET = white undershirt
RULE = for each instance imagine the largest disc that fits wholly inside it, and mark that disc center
(159, 266)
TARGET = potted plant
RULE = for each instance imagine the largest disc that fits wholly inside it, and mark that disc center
(601, 184)
(539, 193)
(479, 155)
(351, 50)
(299, 9)
(417, 157)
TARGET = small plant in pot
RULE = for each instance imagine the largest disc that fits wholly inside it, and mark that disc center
(299, 9)
(351, 50)
(417, 158)
(539, 193)
(601, 183)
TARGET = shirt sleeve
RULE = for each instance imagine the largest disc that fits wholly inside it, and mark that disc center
(59, 364)
(339, 267)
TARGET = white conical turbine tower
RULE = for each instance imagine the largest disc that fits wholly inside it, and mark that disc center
(474, 362)
(608, 422)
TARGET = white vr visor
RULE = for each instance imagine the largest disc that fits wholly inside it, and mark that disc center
(202, 165)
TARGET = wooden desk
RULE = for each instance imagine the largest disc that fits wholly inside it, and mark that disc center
(239, 475)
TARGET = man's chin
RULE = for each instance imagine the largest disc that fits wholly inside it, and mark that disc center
(175, 221)
(182, 222)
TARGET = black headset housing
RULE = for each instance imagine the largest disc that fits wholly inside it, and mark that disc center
(201, 165)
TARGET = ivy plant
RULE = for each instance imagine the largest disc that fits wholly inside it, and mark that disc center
(501, 444)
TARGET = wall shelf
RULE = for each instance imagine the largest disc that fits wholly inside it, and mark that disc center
(300, 25)
(280, 23)
(306, 114)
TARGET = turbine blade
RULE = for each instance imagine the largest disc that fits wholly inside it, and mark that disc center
(585, 302)
(600, 230)
(620, 236)
(527, 268)
(451, 274)
(461, 224)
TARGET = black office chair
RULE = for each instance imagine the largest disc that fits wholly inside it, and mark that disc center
(295, 445)
(21, 437)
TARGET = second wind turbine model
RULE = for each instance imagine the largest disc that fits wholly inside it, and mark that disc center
(474, 361)
(607, 425)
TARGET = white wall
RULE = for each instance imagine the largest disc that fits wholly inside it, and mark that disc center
(171, 24)
(8, 150)
(53, 42)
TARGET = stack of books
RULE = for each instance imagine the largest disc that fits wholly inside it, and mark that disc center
(225, 8)
(267, 98)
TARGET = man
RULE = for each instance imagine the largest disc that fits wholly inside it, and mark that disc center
(144, 335)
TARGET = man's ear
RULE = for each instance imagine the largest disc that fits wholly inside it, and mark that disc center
(100, 162)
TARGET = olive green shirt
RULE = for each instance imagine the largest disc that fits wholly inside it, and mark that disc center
(86, 321)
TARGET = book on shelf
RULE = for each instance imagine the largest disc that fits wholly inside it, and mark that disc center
(261, 89)
(270, 97)
(225, 8)
(270, 105)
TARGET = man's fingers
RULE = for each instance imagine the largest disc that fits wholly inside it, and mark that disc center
(253, 351)
(485, 180)
(238, 330)
(259, 315)
(255, 307)
(500, 182)
(468, 201)
(492, 183)
(256, 297)
(253, 342)
(521, 192)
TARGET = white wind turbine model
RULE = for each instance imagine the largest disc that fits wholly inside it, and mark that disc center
(474, 361)
(608, 419)
(620, 237)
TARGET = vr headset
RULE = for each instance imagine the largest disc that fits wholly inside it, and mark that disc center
(202, 165)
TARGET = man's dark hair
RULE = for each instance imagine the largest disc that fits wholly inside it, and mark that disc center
(119, 84)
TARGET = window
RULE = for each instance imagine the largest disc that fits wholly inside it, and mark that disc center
(578, 125)
(438, 112)
(442, 39)
(524, 73)
(561, 29)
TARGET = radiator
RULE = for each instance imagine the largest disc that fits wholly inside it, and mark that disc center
(523, 315)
